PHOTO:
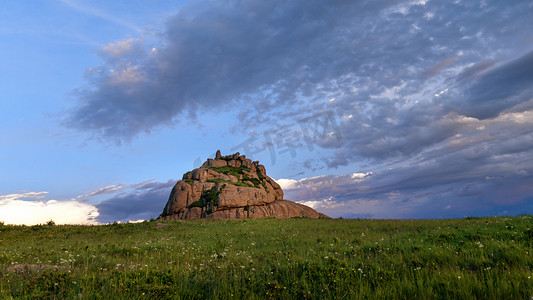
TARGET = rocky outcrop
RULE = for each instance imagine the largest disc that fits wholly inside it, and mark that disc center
(231, 187)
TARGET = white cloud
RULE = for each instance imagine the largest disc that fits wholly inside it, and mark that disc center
(288, 184)
(441, 92)
(130, 75)
(26, 195)
(323, 204)
(137, 221)
(322, 181)
(525, 117)
(360, 176)
(122, 47)
(390, 93)
(403, 8)
(105, 190)
(17, 210)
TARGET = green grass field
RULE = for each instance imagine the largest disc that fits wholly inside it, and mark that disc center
(488, 258)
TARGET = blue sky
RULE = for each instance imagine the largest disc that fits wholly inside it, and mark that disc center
(379, 109)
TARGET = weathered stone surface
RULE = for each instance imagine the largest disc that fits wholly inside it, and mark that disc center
(231, 187)
(277, 209)
(215, 163)
(251, 174)
(232, 196)
(261, 168)
(233, 178)
(178, 198)
(199, 174)
(234, 163)
(323, 216)
(211, 174)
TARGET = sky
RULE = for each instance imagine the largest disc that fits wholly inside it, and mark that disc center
(359, 109)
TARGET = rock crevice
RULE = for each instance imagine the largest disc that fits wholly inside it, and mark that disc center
(230, 187)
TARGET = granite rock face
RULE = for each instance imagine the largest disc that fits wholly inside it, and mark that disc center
(231, 187)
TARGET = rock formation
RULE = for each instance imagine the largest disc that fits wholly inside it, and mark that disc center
(230, 187)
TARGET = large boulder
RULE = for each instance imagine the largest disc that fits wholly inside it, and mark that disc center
(231, 187)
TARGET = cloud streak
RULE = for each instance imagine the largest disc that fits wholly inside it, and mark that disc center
(142, 201)
(111, 189)
(100, 14)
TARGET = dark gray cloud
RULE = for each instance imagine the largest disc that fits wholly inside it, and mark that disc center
(278, 54)
(144, 202)
(389, 131)
(497, 90)
(439, 92)
(482, 171)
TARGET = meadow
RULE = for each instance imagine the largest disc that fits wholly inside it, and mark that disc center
(488, 258)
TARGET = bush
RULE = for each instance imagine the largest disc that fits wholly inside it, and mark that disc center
(260, 175)
(230, 170)
(218, 180)
(199, 203)
(211, 196)
(254, 181)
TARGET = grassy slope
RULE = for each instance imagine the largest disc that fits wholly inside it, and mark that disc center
(294, 258)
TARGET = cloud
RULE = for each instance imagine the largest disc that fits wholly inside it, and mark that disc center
(326, 204)
(218, 53)
(25, 195)
(438, 68)
(120, 202)
(431, 97)
(499, 89)
(281, 57)
(18, 210)
(389, 129)
(114, 189)
(481, 171)
(141, 201)
(288, 184)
